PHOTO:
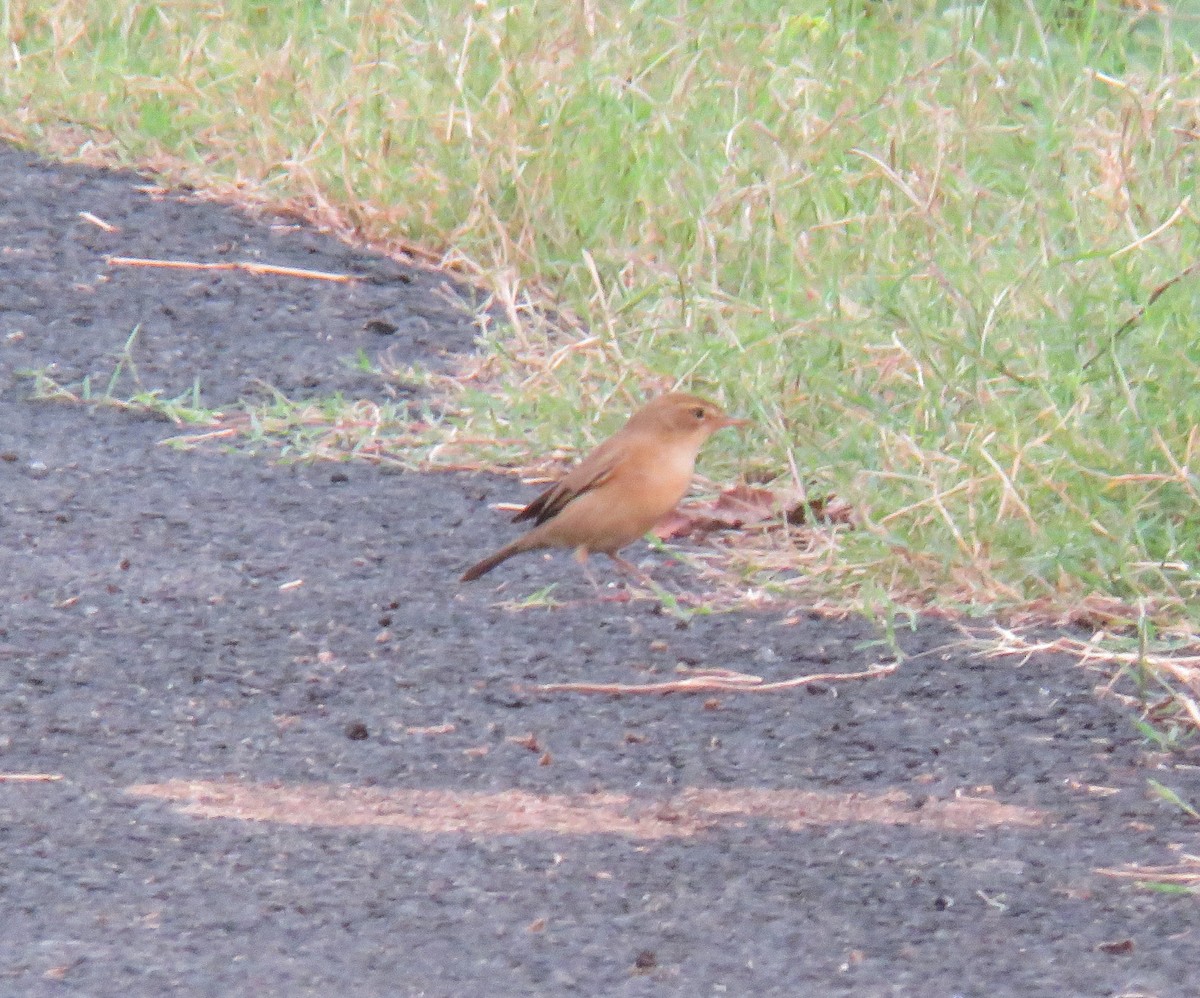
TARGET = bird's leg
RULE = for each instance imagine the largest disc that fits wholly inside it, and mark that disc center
(581, 556)
(630, 569)
(647, 580)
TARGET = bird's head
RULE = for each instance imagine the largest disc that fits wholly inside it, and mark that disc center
(679, 416)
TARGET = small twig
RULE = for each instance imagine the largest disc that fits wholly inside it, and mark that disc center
(733, 682)
(87, 216)
(251, 268)
(30, 777)
(432, 729)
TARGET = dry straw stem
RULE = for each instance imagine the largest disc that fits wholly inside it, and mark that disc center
(100, 223)
(1186, 873)
(715, 681)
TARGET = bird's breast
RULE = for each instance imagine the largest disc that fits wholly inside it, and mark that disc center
(644, 487)
(663, 475)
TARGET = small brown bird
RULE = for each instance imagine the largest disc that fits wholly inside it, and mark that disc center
(623, 487)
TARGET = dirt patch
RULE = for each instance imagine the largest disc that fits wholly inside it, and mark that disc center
(206, 619)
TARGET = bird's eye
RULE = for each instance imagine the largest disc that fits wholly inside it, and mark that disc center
(698, 412)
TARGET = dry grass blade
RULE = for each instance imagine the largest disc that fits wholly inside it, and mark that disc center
(1180, 673)
(723, 682)
(1185, 668)
(248, 267)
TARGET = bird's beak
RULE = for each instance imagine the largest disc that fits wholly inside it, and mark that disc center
(730, 421)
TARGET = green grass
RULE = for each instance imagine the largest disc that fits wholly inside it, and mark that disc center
(917, 243)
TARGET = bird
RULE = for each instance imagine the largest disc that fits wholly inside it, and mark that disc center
(623, 487)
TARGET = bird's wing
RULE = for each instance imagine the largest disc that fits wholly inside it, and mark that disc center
(592, 472)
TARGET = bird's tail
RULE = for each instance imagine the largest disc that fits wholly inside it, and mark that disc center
(492, 560)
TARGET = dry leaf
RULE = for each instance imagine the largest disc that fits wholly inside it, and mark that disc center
(750, 506)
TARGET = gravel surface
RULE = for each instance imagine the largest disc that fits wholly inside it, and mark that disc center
(298, 758)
